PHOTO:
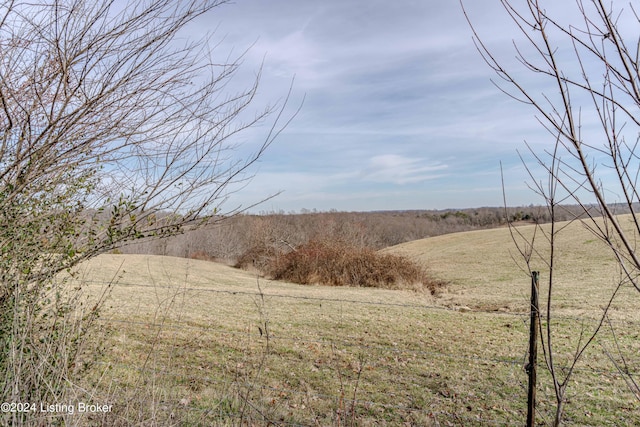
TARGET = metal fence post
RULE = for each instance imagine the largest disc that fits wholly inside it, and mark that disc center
(533, 350)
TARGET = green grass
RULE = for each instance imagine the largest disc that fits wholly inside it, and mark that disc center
(197, 343)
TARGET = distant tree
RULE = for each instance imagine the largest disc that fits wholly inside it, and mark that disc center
(589, 60)
(113, 127)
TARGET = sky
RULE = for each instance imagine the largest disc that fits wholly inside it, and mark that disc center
(399, 110)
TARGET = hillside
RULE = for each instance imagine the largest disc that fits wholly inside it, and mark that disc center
(487, 272)
(194, 342)
(143, 282)
(484, 269)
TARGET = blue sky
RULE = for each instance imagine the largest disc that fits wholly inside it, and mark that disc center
(399, 110)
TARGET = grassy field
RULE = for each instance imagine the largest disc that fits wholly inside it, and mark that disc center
(197, 343)
(487, 272)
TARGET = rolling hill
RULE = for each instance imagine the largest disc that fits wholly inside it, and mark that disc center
(207, 344)
(487, 271)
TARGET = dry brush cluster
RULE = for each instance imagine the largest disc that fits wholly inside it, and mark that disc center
(339, 263)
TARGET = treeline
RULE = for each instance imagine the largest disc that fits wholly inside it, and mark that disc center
(232, 239)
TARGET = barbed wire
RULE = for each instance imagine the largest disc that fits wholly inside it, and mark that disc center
(355, 343)
(352, 342)
(328, 341)
(458, 309)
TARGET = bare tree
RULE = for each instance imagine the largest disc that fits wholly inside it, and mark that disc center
(588, 59)
(113, 127)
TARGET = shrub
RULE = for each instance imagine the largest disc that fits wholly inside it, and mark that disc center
(340, 264)
(259, 256)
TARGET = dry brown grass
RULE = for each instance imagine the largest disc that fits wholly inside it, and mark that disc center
(192, 341)
(486, 272)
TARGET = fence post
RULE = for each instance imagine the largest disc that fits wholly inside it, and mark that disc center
(533, 350)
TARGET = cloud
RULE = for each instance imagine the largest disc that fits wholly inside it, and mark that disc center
(398, 102)
(401, 170)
